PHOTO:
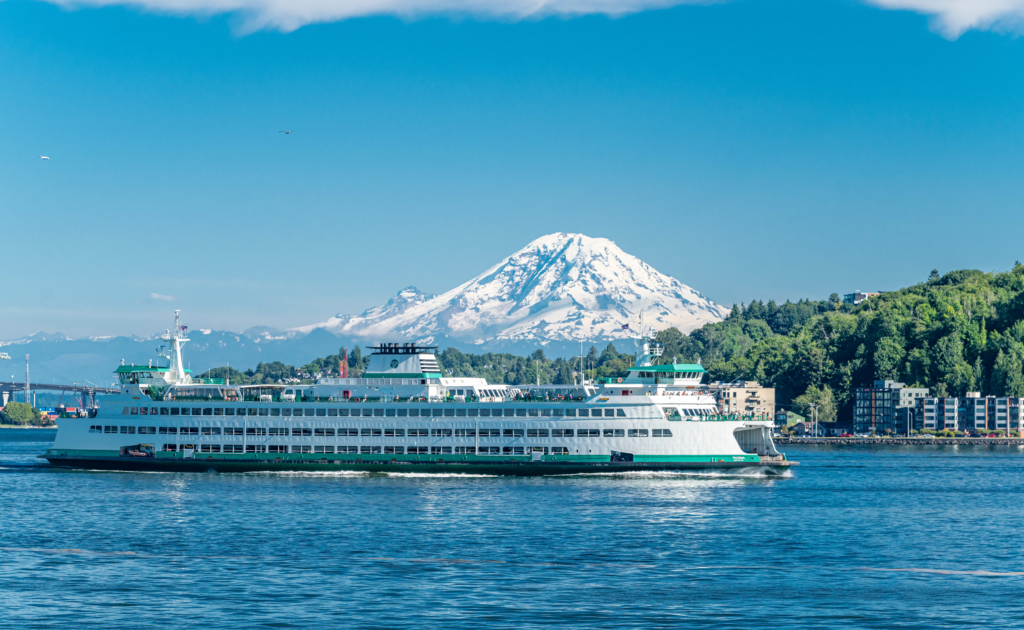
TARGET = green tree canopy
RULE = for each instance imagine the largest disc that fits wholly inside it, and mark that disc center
(22, 414)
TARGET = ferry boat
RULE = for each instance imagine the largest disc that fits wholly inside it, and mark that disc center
(404, 415)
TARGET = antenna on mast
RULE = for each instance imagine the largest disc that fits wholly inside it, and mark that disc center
(177, 339)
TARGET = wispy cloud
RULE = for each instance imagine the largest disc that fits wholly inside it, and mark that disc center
(953, 17)
(162, 298)
(950, 17)
(288, 15)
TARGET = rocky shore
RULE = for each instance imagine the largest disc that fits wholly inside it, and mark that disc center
(891, 441)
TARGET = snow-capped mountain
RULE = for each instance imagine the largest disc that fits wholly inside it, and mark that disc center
(561, 287)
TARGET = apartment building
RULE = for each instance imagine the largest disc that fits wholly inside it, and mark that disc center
(937, 414)
(973, 412)
(875, 409)
(744, 398)
(989, 413)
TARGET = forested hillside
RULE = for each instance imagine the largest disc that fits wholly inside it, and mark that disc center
(960, 332)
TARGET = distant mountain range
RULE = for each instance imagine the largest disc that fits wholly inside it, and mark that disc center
(556, 291)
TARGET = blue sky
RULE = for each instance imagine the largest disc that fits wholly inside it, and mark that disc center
(752, 149)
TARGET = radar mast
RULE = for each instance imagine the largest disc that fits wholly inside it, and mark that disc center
(177, 339)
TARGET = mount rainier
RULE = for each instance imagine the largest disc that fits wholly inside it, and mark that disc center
(559, 288)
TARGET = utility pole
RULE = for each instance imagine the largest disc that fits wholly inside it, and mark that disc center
(28, 389)
(6, 357)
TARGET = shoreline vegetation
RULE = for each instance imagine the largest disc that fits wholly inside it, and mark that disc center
(17, 415)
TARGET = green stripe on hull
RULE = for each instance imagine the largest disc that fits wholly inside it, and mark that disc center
(696, 458)
(462, 464)
(314, 457)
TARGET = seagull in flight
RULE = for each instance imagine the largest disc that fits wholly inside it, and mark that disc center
(286, 132)
(43, 157)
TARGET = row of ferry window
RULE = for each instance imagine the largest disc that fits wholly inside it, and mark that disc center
(370, 450)
(323, 412)
(285, 431)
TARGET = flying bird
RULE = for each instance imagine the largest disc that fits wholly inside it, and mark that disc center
(43, 157)
(289, 131)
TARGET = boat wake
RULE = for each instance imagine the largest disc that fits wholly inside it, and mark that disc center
(32, 466)
(303, 473)
(437, 475)
(738, 473)
(358, 473)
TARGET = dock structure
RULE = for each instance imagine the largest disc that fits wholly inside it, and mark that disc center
(900, 441)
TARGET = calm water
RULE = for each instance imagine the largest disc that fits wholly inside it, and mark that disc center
(906, 537)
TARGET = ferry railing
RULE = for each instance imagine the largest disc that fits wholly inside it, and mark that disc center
(568, 399)
(727, 417)
(414, 399)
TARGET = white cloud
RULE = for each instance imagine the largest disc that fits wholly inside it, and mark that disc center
(162, 298)
(288, 15)
(951, 17)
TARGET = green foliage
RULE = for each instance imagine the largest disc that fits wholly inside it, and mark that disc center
(960, 332)
(22, 414)
(276, 372)
(515, 370)
(821, 400)
(331, 365)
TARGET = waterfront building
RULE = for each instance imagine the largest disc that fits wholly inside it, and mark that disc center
(937, 414)
(744, 397)
(1000, 413)
(787, 418)
(976, 413)
(906, 418)
(875, 408)
(973, 411)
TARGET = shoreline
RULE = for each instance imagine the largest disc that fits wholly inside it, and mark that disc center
(896, 441)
